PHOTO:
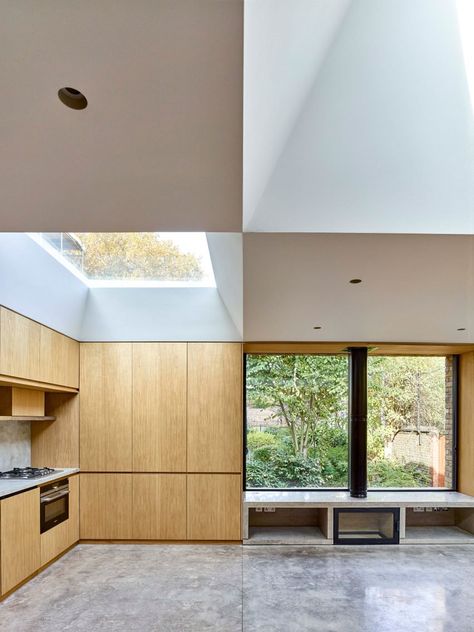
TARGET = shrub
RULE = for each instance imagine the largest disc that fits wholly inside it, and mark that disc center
(260, 439)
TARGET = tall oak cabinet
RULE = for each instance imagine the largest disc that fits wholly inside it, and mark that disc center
(161, 441)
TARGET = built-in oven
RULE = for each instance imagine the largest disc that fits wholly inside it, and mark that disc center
(54, 503)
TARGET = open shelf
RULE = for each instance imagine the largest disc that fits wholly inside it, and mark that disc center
(26, 418)
(437, 535)
(286, 535)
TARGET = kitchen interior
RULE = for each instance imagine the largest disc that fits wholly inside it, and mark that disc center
(192, 191)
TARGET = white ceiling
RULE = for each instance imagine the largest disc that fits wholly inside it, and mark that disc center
(285, 44)
(416, 288)
(159, 146)
(385, 140)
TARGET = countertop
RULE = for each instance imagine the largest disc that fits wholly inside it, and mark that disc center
(418, 498)
(9, 486)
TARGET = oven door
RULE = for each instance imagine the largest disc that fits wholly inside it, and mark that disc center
(54, 502)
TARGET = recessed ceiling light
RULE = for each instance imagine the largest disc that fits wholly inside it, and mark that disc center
(317, 327)
(72, 98)
(461, 329)
(355, 281)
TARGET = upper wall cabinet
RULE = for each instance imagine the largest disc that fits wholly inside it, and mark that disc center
(59, 358)
(214, 407)
(159, 407)
(106, 407)
(20, 342)
(30, 351)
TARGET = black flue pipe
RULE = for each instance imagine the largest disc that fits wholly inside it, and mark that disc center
(358, 421)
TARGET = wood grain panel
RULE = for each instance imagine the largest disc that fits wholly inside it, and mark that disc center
(159, 506)
(7, 380)
(159, 407)
(56, 443)
(375, 348)
(59, 357)
(19, 346)
(214, 506)
(105, 506)
(106, 407)
(59, 538)
(27, 402)
(19, 538)
(214, 407)
(466, 424)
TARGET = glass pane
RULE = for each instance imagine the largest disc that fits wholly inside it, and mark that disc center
(410, 421)
(114, 258)
(297, 432)
(366, 525)
(55, 509)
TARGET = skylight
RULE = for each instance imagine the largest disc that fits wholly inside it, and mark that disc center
(133, 259)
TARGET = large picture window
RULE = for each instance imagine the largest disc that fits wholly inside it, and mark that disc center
(410, 421)
(297, 433)
(297, 426)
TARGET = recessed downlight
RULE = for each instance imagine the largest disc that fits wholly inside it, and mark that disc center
(72, 98)
(317, 327)
(354, 281)
(461, 329)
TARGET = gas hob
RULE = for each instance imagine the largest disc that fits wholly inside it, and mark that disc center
(24, 473)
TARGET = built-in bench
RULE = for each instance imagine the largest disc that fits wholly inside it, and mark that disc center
(307, 517)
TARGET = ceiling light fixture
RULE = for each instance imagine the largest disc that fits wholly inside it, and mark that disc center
(354, 281)
(317, 327)
(72, 98)
(461, 329)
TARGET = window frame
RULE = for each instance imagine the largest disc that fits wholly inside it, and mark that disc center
(455, 408)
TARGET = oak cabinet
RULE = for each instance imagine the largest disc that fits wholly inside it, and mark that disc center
(106, 506)
(106, 407)
(59, 359)
(20, 340)
(159, 506)
(30, 351)
(159, 407)
(214, 507)
(19, 538)
(62, 536)
(214, 407)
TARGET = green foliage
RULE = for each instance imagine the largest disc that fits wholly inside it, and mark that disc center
(260, 439)
(387, 473)
(309, 395)
(274, 467)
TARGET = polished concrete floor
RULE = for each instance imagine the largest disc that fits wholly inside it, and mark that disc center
(164, 588)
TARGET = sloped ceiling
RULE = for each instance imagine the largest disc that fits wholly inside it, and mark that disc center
(160, 145)
(385, 139)
(415, 288)
(285, 45)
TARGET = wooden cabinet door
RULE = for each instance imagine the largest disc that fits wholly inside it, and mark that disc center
(19, 346)
(214, 506)
(59, 359)
(159, 506)
(106, 407)
(214, 407)
(159, 407)
(106, 506)
(19, 538)
(62, 536)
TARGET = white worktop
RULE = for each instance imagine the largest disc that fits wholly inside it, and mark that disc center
(343, 499)
(12, 486)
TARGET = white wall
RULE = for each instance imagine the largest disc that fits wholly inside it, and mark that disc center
(157, 314)
(34, 284)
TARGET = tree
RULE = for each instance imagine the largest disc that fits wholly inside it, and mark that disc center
(136, 256)
(405, 393)
(308, 392)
